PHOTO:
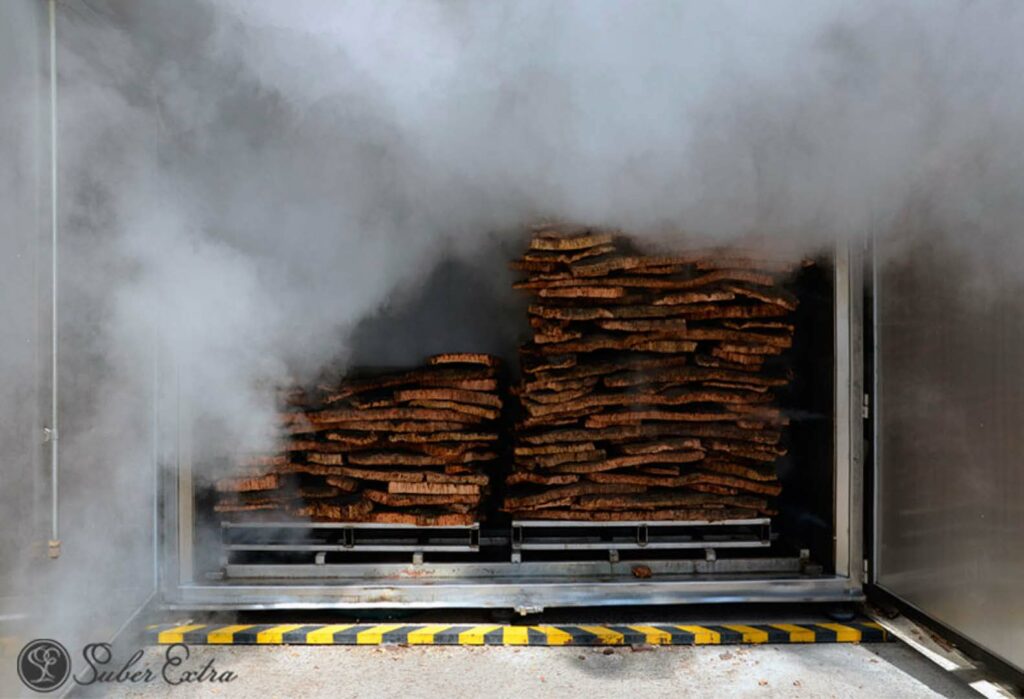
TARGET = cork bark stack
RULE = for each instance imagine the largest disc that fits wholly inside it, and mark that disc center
(414, 447)
(648, 388)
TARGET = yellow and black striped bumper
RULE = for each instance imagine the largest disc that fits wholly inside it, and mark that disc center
(507, 635)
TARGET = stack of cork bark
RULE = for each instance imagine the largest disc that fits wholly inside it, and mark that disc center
(647, 389)
(414, 447)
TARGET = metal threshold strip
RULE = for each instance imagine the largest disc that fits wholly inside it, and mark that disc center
(861, 631)
(513, 593)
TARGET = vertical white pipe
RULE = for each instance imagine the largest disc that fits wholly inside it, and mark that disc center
(54, 547)
(156, 461)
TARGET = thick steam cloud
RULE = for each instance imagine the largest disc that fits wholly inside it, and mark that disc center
(292, 168)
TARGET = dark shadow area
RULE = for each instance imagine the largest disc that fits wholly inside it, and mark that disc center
(467, 304)
(806, 516)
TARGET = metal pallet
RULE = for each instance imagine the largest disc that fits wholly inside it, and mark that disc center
(612, 537)
(319, 539)
(570, 539)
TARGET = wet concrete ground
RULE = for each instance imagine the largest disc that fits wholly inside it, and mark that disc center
(835, 670)
(495, 672)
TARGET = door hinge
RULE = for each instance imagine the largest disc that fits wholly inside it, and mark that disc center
(867, 570)
(865, 406)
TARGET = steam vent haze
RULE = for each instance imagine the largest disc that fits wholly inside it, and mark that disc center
(251, 192)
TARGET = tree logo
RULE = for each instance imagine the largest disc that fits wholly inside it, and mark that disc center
(44, 665)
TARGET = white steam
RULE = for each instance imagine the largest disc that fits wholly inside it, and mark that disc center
(306, 161)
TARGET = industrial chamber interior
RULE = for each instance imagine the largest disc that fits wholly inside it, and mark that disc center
(802, 554)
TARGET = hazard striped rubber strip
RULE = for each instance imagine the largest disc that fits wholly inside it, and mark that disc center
(506, 635)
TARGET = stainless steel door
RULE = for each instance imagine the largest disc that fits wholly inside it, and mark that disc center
(950, 434)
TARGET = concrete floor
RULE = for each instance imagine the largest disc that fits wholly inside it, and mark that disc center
(835, 670)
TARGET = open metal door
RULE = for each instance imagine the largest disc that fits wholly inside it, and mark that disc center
(949, 478)
(79, 463)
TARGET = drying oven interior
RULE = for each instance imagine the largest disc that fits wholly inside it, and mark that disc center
(809, 551)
